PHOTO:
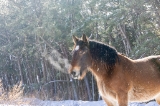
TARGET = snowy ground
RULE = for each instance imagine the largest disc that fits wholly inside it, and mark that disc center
(37, 102)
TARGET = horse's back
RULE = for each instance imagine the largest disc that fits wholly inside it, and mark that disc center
(154, 62)
(157, 60)
(148, 63)
(149, 58)
(147, 68)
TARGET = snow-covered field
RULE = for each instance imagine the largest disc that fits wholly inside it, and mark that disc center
(37, 102)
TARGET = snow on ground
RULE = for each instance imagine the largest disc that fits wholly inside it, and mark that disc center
(37, 102)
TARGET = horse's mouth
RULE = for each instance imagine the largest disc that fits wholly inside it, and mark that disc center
(75, 77)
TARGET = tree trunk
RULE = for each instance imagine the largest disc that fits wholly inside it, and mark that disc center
(74, 90)
(43, 69)
(88, 89)
(20, 70)
(125, 39)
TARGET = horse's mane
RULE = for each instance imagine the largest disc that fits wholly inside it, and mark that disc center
(103, 53)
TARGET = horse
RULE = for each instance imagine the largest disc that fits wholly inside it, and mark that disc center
(119, 79)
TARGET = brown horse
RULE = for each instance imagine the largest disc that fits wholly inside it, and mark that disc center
(120, 80)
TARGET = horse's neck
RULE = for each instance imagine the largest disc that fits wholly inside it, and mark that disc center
(98, 69)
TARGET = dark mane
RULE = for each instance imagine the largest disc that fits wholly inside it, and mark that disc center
(103, 53)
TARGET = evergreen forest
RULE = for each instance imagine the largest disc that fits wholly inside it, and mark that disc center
(36, 41)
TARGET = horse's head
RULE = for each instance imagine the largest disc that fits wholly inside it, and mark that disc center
(81, 58)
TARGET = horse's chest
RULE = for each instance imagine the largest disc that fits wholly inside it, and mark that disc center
(105, 92)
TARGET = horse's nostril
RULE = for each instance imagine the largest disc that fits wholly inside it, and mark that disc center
(73, 73)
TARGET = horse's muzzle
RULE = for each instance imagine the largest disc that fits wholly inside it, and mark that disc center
(75, 72)
(75, 75)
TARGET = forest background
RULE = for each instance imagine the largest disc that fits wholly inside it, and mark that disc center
(36, 41)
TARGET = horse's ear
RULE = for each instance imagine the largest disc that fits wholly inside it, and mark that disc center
(84, 38)
(75, 39)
